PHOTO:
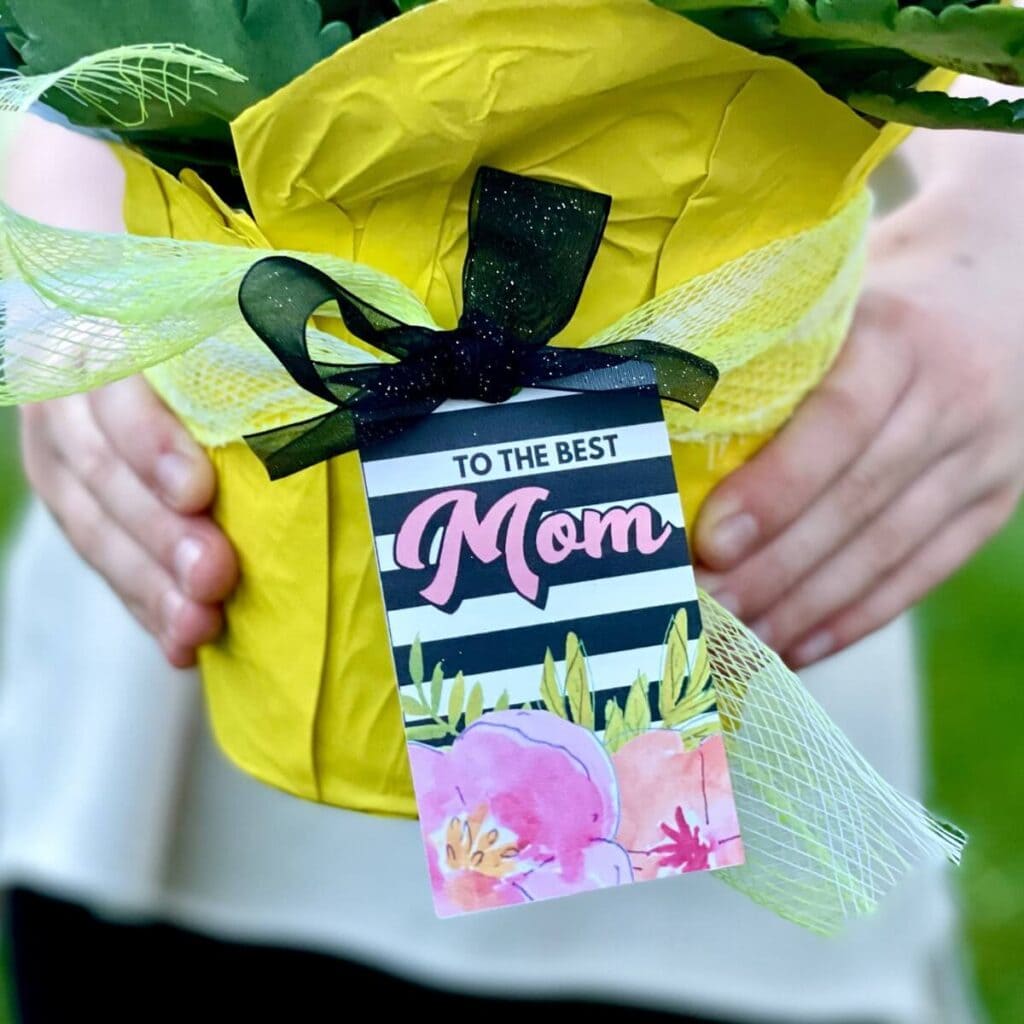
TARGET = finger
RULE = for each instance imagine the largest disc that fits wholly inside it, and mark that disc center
(143, 585)
(906, 445)
(932, 563)
(155, 444)
(191, 548)
(38, 458)
(828, 432)
(885, 543)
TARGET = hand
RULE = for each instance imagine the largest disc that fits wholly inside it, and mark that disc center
(908, 456)
(132, 491)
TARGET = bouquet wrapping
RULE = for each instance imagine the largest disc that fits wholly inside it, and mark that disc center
(736, 232)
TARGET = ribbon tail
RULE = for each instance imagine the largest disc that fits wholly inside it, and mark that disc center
(362, 425)
(286, 450)
(678, 375)
(681, 376)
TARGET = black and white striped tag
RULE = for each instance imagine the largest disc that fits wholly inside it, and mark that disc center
(501, 529)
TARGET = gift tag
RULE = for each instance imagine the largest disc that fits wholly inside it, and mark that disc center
(561, 720)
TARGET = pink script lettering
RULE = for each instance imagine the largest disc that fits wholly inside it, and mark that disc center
(504, 532)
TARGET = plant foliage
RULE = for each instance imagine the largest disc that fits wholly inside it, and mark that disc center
(870, 54)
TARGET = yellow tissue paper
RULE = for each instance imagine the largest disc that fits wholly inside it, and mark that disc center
(709, 151)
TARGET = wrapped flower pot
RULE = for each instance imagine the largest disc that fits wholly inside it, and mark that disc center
(510, 286)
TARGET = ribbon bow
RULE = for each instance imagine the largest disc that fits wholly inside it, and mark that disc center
(531, 246)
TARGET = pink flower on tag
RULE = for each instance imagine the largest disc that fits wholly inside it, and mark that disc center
(523, 806)
(678, 813)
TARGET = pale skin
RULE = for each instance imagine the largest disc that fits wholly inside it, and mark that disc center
(910, 454)
(125, 481)
(901, 464)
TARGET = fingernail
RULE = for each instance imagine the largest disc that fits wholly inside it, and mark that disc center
(171, 605)
(174, 474)
(731, 538)
(186, 556)
(815, 647)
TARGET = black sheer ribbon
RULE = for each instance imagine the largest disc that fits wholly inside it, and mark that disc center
(531, 246)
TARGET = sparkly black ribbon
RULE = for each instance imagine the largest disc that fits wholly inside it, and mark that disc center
(531, 245)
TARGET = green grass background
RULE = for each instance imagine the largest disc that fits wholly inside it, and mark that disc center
(972, 642)
(971, 639)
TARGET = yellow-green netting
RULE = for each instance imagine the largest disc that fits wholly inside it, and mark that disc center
(86, 309)
(771, 321)
(826, 837)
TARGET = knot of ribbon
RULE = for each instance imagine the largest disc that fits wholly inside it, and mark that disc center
(531, 246)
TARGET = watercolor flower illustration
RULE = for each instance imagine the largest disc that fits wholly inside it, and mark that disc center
(523, 806)
(678, 813)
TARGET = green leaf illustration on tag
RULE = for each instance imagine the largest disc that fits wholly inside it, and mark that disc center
(430, 731)
(550, 691)
(676, 669)
(577, 686)
(475, 704)
(614, 726)
(412, 706)
(685, 691)
(456, 700)
(638, 709)
(416, 662)
(436, 685)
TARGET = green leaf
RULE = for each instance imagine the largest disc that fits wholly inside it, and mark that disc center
(690, 6)
(615, 734)
(937, 110)
(986, 40)
(270, 42)
(838, 71)
(360, 15)
(456, 699)
(502, 703)
(416, 662)
(577, 686)
(431, 731)
(9, 28)
(412, 706)
(475, 704)
(637, 717)
(436, 685)
(754, 27)
(871, 53)
(550, 692)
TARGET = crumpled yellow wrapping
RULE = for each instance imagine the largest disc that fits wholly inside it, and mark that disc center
(709, 151)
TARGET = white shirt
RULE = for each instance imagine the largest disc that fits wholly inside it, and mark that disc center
(112, 793)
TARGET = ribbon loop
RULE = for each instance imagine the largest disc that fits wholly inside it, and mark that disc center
(531, 245)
